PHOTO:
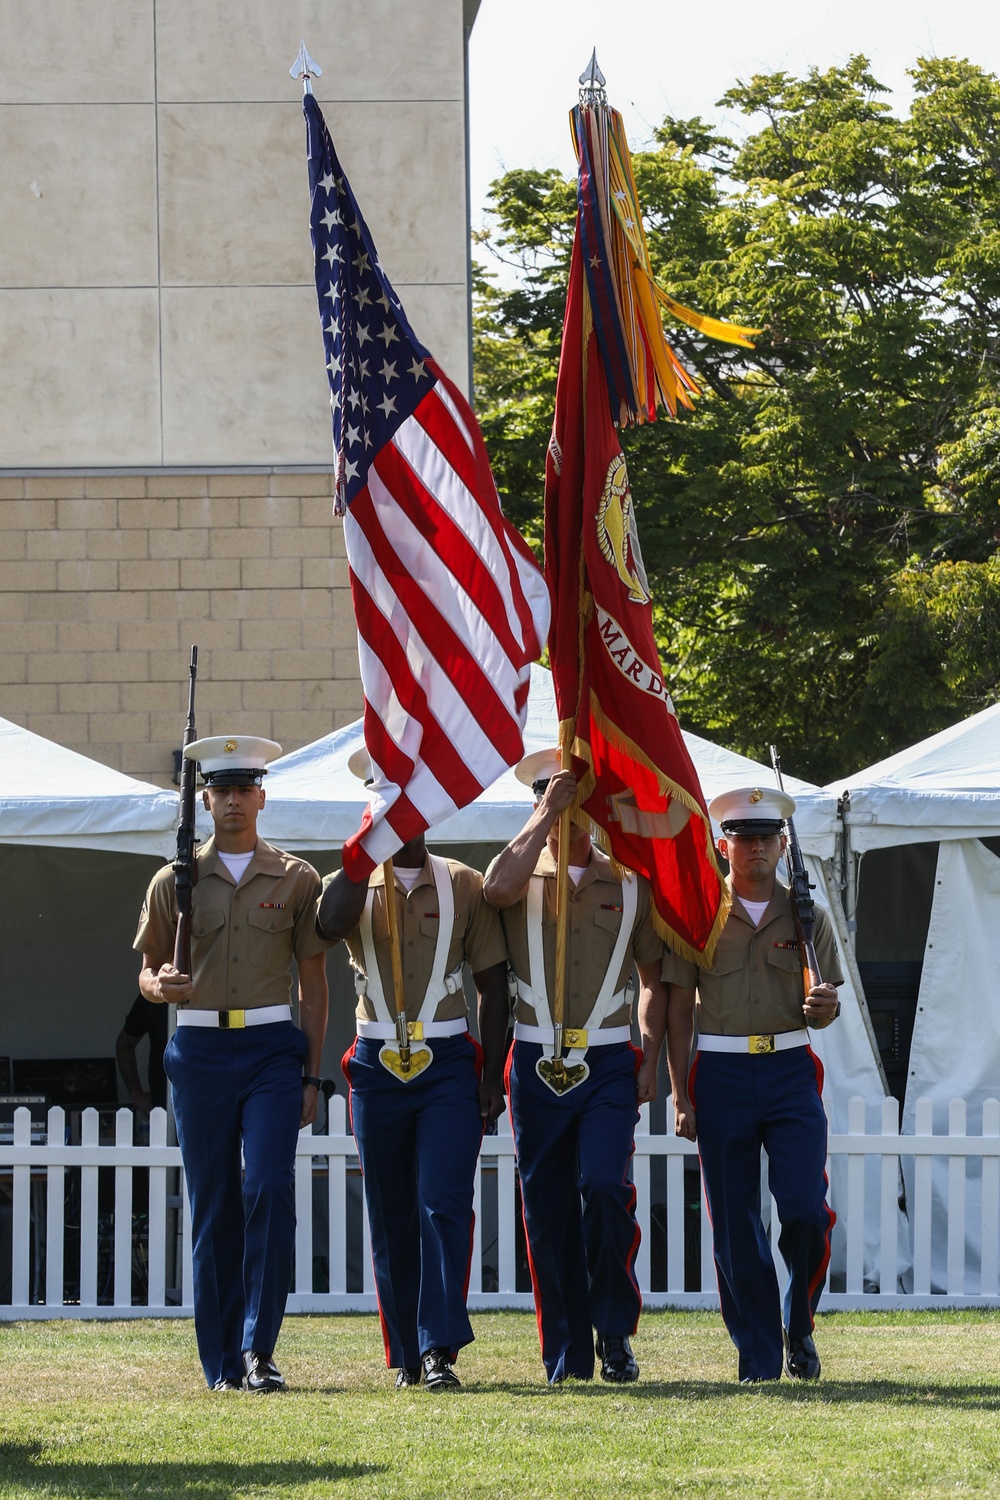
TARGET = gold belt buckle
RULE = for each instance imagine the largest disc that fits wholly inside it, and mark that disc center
(761, 1043)
(574, 1037)
(232, 1020)
(415, 1030)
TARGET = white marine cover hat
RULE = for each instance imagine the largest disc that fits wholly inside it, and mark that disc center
(751, 809)
(233, 759)
(359, 763)
(540, 765)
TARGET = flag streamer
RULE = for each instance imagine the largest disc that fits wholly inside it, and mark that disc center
(641, 368)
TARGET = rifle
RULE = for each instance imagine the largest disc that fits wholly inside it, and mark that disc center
(185, 872)
(803, 906)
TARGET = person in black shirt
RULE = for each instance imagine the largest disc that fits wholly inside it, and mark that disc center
(144, 1019)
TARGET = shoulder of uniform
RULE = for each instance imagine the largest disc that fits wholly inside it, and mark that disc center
(164, 876)
(291, 863)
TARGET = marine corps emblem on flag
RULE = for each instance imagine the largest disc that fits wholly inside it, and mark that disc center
(617, 534)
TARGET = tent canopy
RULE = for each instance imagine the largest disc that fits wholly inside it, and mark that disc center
(53, 796)
(315, 802)
(946, 787)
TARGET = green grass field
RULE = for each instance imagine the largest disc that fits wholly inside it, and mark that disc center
(908, 1406)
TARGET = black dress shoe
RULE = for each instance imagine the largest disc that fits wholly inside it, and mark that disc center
(262, 1374)
(227, 1385)
(438, 1373)
(801, 1359)
(408, 1375)
(618, 1363)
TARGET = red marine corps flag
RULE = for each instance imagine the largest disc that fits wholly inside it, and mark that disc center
(639, 786)
(451, 606)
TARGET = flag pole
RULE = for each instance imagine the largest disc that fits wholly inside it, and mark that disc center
(594, 79)
(306, 68)
(562, 908)
(396, 955)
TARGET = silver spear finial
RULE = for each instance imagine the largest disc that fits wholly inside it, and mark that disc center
(306, 68)
(592, 83)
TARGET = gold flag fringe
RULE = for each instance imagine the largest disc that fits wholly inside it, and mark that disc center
(617, 737)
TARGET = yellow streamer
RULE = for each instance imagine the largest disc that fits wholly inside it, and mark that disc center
(658, 376)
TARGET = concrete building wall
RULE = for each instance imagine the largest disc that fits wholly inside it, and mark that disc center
(106, 583)
(158, 325)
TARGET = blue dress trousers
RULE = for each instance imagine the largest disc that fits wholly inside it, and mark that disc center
(743, 1103)
(574, 1157)
(418, 1143)
(233, 1089)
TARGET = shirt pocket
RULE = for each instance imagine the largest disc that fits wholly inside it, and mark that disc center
(729, 963)
(600, 942)
(269, 937)
(207, 924)
(727, 990)
(785, 959)
(429, 927)
(611, 921)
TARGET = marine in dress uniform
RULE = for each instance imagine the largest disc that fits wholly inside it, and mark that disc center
(235, 1062)
(419, 1133)
(754, 1082)
(578, 1144)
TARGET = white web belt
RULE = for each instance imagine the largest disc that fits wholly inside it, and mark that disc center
(575, 1039)
(439, 985)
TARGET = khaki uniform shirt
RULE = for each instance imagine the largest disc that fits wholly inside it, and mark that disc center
(595, 916)
(243, 938)
(755, 985)
(476, 939)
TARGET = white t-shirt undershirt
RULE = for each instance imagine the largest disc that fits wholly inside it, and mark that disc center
(236, 863)
(755, 909)
(575, 872)
(407, 876)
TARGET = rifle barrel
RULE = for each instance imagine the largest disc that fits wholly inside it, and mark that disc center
(803, 906)
(185, 870)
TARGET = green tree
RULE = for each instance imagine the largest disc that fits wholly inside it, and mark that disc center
(821, 534)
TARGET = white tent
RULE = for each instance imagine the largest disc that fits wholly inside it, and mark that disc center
(78, 845)
(54, 797)
(945, 791)
(314, 802)
(945, 788)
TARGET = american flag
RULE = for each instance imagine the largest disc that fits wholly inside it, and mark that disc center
(451, 607)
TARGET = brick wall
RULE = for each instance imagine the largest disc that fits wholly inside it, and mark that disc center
(105, 583)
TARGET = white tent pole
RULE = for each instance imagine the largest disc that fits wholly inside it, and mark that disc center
(845, 871)
(846, 947)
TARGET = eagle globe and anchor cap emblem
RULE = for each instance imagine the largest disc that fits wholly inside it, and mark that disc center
(617, 535)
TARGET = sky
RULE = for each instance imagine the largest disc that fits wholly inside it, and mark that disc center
(526, 56)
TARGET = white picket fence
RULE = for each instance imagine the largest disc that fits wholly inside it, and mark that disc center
(128, 1264)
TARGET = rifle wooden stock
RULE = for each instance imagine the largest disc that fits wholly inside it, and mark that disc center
(185, 870)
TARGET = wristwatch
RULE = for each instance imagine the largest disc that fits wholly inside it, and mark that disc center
(314, 1083)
